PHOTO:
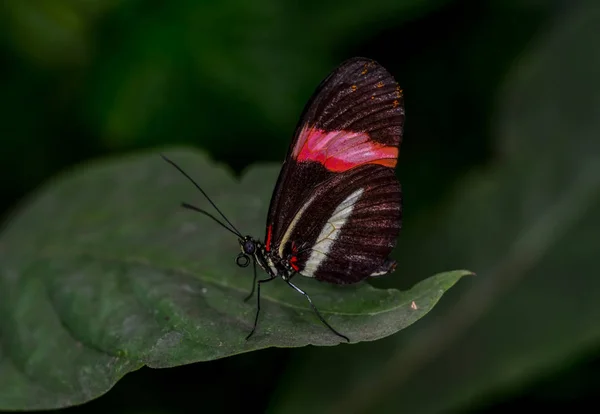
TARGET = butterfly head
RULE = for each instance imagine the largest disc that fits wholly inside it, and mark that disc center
(248, 246)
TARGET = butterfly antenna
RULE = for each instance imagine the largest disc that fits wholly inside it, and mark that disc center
(234, 231)
(206, 213)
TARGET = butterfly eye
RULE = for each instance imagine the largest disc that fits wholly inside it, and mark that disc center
(242, 260)
(249, 247)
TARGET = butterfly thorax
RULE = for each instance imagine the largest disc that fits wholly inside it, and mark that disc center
(269, 261)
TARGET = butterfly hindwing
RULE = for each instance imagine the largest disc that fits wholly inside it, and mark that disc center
(336, 209)
(348, 227)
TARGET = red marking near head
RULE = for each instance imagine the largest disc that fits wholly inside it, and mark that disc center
(339, 151)
(294, 263)
(269, 234)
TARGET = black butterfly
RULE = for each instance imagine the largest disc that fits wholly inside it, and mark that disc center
(336, 209)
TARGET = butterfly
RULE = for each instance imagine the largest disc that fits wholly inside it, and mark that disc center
(336, 209)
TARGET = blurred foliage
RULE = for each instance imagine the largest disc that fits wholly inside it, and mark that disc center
(498, 165)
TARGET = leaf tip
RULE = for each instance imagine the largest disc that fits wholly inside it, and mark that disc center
(465, 272)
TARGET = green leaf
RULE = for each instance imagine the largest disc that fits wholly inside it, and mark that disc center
(528, 224)
(102, 272)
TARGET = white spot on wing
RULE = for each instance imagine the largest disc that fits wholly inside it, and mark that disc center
(272, 266)
(330, 233)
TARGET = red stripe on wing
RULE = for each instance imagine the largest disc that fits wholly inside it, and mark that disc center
(339, 151)
(269, 236)
(294, 263)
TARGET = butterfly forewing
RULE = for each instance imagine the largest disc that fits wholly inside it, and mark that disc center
(336, 209)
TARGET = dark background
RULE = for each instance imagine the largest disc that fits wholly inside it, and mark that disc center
(83, 80)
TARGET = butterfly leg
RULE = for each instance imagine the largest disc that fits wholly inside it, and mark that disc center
(314, 308)
(258, 304)
(253, 282)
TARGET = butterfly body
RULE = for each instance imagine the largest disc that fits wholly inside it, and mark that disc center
(270, 262)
